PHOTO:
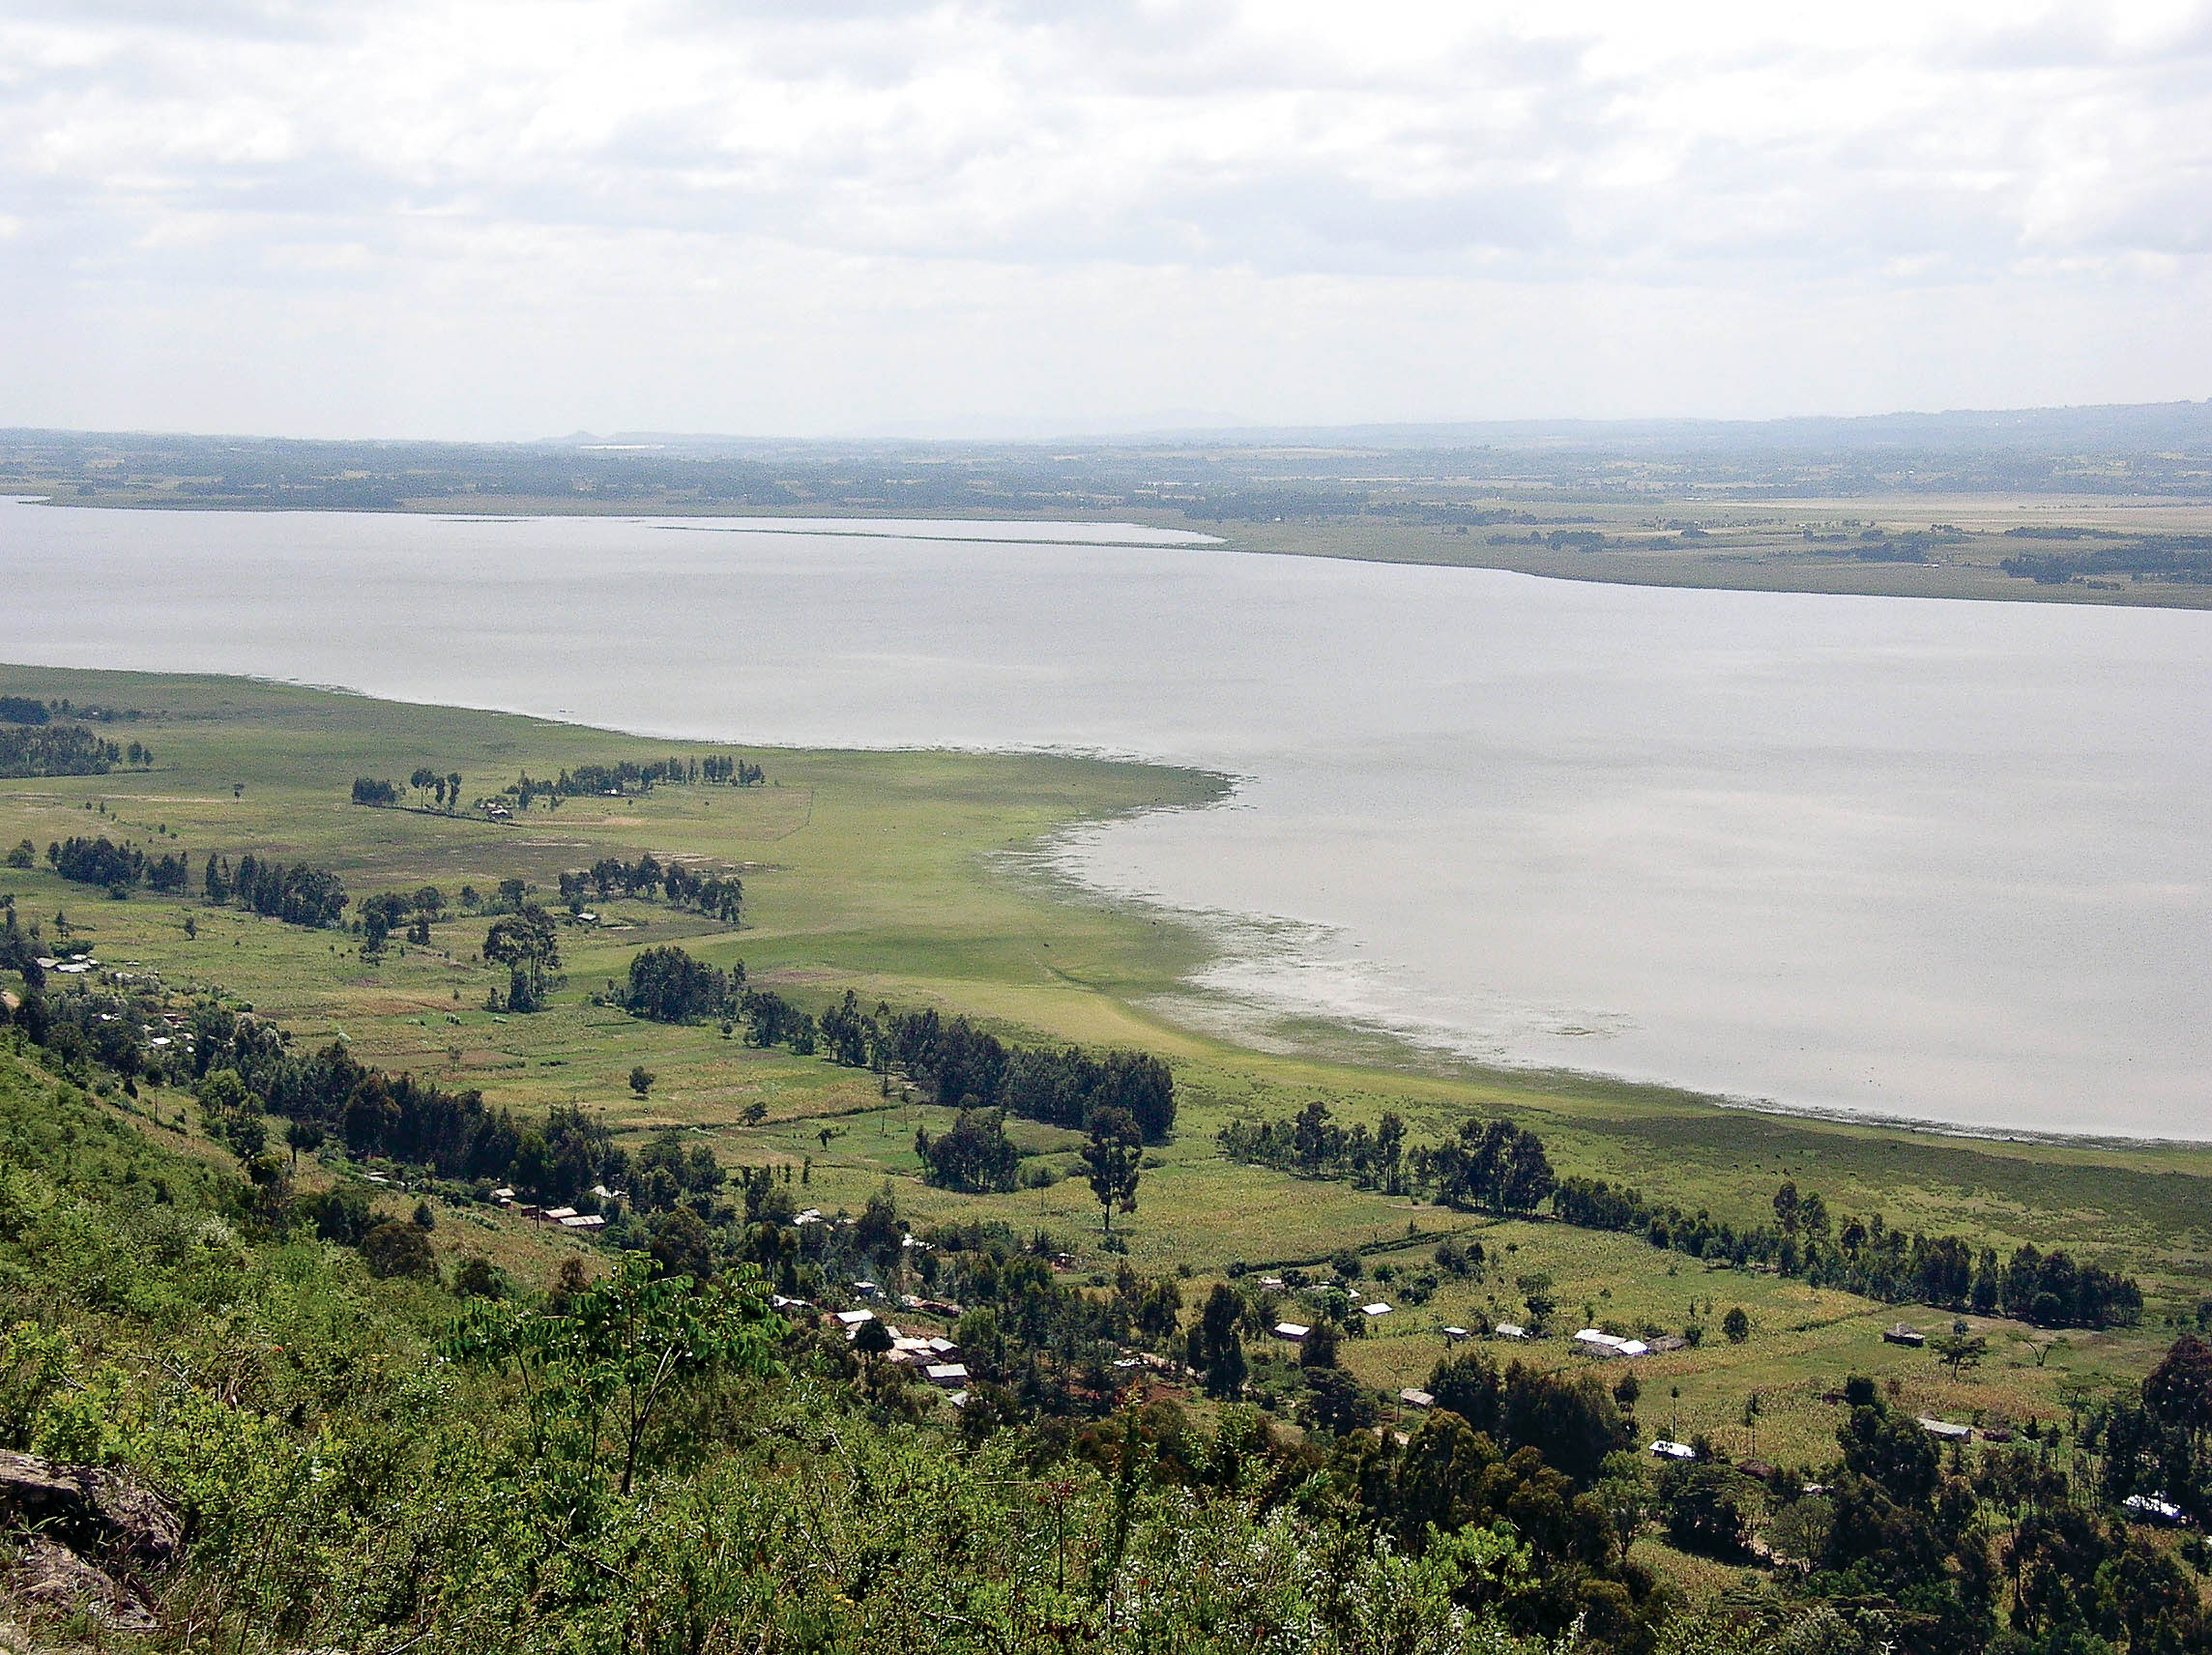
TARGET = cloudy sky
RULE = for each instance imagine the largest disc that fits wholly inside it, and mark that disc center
(477, 219)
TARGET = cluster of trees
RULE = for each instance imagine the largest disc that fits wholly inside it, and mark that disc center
(974, 1156)
(965, 1067)
(718, 896)
(1492, 1165)
(116, 868)
(295, 892)
(378, 915)
(528, 943)
(63, 750)
(668, 985)
(439, 789)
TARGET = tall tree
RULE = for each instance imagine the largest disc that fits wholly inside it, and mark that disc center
(527, 945)
(1111, 1159)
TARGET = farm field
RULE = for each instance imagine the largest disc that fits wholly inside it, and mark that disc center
(905, 877)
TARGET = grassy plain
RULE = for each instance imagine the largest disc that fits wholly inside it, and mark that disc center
(1761, 546)
(905, 875)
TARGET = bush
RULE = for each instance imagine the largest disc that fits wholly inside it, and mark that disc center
(394, 1249)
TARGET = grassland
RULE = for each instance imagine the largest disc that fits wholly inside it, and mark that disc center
(1805, 545)
(903, 874)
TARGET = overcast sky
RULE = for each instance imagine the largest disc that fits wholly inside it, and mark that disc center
(861, 216)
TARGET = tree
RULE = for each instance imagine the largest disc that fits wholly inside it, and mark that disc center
(681, 1245)
(1736, 1325)
(1216, 1349)
(1111, 1160)
(641, 1079)
(600, 1372)
(422, 779)
(526, 944)
(302, 1135)
(1960, 1350)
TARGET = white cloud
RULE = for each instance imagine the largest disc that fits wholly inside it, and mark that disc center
(1287, 209)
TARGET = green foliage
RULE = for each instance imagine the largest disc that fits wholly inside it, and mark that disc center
(600, 1374)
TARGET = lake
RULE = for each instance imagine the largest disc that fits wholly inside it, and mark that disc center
(1939, 861)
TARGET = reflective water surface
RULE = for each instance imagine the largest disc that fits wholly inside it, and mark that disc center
(1939, 860)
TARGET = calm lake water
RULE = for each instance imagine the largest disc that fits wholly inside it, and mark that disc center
(1932, 860)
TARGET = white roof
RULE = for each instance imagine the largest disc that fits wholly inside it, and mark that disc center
(1598, 1336)
(1505, 1330)
(1666, 1450)
(1634, 1347)
(2153, 1505)
(1413, 1397)
(1378, 1307)
(949, 1373)
(1944, 1428)
(853, 1317)
(583, 1221)
(1291, 1331)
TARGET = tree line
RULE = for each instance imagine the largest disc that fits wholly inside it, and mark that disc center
(1499, 1167)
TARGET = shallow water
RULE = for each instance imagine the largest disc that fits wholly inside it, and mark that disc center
(1932, 860)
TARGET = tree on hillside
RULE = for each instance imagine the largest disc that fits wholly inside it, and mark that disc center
(1216, 1349)
(423, 779)
(1111, 1160)
(608, 1369)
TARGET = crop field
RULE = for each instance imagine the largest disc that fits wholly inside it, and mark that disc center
(905, 876)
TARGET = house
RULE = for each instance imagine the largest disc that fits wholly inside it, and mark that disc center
(1904, 1333)
(584, 1221)
(1375, 1310)
(1666, 1450)
(1503, 1330)
(554, 1214)
(1669, 1342)
(1294, 1331)
(851, 1319)
(1413, 1397)
(946, 1375)
(1946, 1431)
(1598, 1343)
(504, 1196)
(2153, 1508)
(867, 1289)
(1273, 1284)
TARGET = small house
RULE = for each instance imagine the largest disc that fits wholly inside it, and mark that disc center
(1503, 1330)
(1294, 1331)
(585, 1221)
(946, 1375)
(1415, 1399)
(1375, 1310)
(1666, 1450)
(2153, 1508)
(1945, 1431)
(851, 1319)
(1904, 1333)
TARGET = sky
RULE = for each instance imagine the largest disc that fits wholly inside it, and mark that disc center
(865, 217)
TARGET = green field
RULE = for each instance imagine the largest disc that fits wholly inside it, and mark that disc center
(903, 874)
